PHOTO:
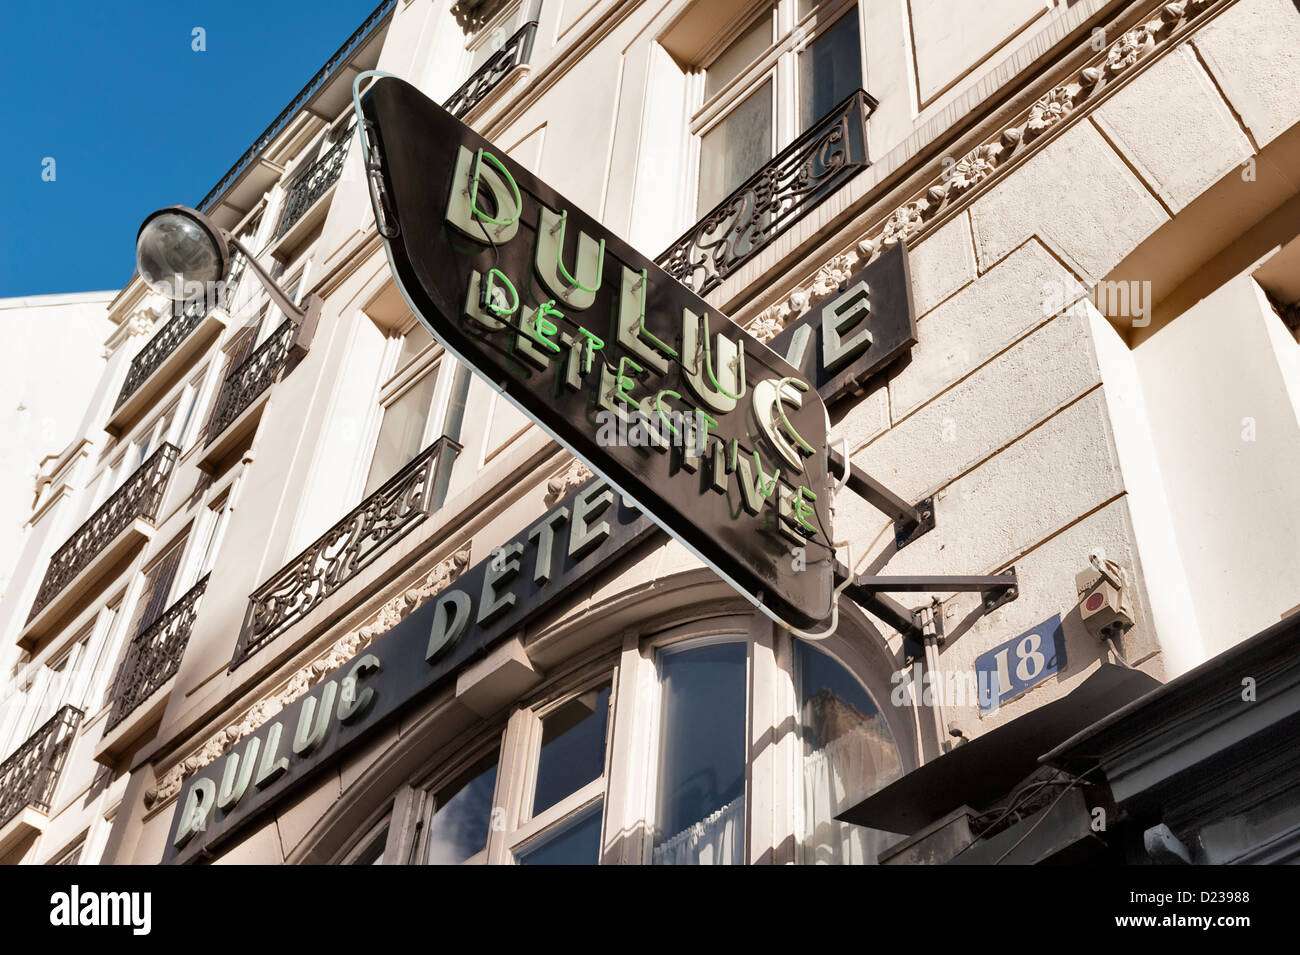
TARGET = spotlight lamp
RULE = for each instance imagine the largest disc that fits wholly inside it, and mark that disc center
(182, 255)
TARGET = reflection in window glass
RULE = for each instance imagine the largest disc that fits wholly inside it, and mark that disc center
(700, 817)
(401, 433)
(848, 753)
(462, 813)
(735, 148)
(573, 747)
(752, 43)
(829, 70)
(577, 843)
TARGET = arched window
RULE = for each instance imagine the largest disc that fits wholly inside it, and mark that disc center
(700, 804)
(718, 741)
(847, 752)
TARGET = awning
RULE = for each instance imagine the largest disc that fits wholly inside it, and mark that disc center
(983, 770)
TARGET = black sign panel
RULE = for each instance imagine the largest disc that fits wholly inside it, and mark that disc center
(856, 332)
(543, 564)
(714, 435)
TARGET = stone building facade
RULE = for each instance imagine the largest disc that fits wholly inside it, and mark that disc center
(1098, 204)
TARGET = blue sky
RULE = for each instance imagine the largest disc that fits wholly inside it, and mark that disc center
(135, 119)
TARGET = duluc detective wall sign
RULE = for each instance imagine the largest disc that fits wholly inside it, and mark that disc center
(545, 563)
(579, 330)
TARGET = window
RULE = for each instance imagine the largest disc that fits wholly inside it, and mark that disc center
(770, 84)
(422, 398)
(736, 147)
(370, 849)
(462, 815)
(700, 804)
(497, 24)
(577, 843)
(573, 747)
(155, 594)
(109, 641)
(71, 855)
(829, 70)
(736, 744)
(568, 793)
(847, 753)
(181, 431)
(211, 531)
(74, 675)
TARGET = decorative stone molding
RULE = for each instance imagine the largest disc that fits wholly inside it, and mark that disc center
(342, 650)
(140, 322)
(574, 474)
(984, 162)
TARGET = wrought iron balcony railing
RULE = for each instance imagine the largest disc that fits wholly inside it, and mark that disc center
(154, 656)
(369, 529)
(28, 777)
(311, 185)
(168, 338)
(774, 198)
(140, 497)
(333, 66)
(250, 378)
(516, 52)
(163, 343)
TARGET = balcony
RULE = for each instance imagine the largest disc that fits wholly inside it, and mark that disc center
(121, 523)
(516, 52)
(150, 661)
(312, 184)
(171, 349)
(369, 529)
(28, 778)
(796, 180)
(240, 400)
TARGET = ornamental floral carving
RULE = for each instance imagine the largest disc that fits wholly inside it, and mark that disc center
(975, 166)
(901, 224)
(1048, 111)
(342, 650)
(1127, 49)
(910, 219)
(768, 324)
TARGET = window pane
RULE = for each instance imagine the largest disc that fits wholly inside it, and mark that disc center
(829, 70)
(577, 843)
(573, 748)
(413, 342)
(735, 148)
(373, 853)
(700, 818)
(462, 813)
(744, 50)
(184, 414)
(401, 433)
(848, 753)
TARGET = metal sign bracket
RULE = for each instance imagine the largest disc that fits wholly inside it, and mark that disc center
(924, 623)
(910, 520)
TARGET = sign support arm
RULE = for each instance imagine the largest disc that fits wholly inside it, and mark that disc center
(910, 521)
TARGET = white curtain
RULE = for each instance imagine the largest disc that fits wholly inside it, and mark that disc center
(719, 839)
(840, 774)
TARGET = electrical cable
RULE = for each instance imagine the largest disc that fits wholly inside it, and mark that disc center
(1046, 812)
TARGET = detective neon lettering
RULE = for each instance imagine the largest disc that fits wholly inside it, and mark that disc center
(485, 205)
